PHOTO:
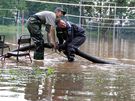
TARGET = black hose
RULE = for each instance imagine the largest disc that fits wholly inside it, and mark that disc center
(78, 52)
(91, 58)
(46, 45)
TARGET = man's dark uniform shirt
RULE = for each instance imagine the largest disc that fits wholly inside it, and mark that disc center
(71, 37)
(69, 33)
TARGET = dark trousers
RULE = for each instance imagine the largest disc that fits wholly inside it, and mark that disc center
(75, 43)
(34, 28)
(72, 46)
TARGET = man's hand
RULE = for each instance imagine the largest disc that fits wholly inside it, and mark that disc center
(61, 47)
(58, 48)
(54, 45)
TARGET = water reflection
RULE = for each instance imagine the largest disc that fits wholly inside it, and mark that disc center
(121, 47)
(92, 83)
(31, 90)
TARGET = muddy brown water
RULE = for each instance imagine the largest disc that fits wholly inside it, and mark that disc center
(81, 80)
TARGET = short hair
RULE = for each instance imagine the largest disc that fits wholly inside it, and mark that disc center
(59, 9)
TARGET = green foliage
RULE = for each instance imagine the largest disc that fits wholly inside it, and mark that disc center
(30, 8)
(13, 4)
(50, 71)
(65, 1)
(20, 74)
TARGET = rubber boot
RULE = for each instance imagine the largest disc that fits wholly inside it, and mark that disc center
(39, 55)
(71, 57)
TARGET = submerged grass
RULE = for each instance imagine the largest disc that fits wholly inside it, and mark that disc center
(21, 74)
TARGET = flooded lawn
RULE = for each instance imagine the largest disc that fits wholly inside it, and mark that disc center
(79, 81)
(55, 79)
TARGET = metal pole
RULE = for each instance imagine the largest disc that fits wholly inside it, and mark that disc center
(80, 20)
(22, 21)
(18, 15)
(114, 32)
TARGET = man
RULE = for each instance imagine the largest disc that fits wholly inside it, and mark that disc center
(70, 37)
(34, 26)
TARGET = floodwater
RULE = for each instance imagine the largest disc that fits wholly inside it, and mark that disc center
(81, 80)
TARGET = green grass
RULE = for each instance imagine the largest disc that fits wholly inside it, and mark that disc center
(20, 74)
(11, 29)
(8, 28)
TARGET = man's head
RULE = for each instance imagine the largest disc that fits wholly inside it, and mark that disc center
(59, 12)
(61, 24)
